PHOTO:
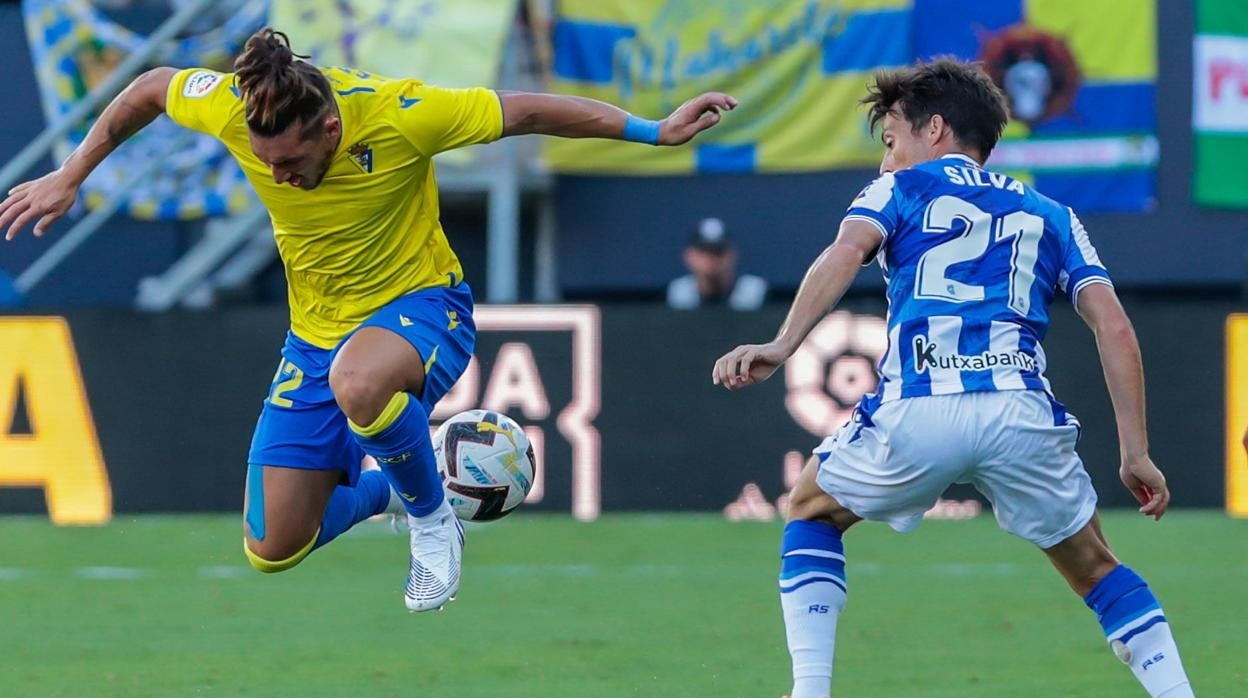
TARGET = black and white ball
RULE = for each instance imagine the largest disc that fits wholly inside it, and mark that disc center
(486, 463)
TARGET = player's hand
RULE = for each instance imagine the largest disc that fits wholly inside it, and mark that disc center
(1147, 484)
(42, 200)
(694, 117)
(748, 364)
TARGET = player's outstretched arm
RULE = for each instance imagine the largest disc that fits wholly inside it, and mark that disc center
(46, 199)
(1124, 376)
(826, 281)
(581, 117)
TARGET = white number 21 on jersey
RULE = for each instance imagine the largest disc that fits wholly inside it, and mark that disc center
(982, 229)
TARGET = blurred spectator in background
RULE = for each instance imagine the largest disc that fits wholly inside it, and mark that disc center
(712, 279)
(10, 297)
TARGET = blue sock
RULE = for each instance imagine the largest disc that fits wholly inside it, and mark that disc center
(812, 595)
(351, 505)
(399, 440)
(1138, 632)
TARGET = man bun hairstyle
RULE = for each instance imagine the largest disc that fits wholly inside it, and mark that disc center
(277, 89)
(962, 93)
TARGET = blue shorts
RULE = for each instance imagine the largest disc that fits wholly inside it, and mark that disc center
(301, 425)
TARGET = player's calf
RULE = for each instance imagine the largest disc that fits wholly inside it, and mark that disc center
(289, 512)
(812, 595)
(1138, 633)
(1134, 623)
(276, 544)
(263, 560)
(812, 582)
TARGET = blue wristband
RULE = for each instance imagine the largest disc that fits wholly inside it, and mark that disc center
(640, 130)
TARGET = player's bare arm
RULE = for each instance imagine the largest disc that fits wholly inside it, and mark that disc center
(580, 117)
(46, 199)
(825, 282)
(1124, 376)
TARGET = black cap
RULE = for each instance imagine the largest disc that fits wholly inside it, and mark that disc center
(710, 235)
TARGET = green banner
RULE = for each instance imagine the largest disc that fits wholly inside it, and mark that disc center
(1220, 102)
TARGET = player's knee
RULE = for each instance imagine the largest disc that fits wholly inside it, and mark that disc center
(802, 506)
(811, 505)
(361, 393)
(271, 556)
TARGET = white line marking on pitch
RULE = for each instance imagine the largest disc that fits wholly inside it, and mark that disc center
(966, 569)
(122, 573)
(225, 572)
(503, 570)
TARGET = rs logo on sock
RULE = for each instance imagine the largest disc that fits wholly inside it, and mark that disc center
(817, 608)
(1156, 658)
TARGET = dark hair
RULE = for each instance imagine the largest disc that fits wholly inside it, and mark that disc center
(277, 89)
(962, 93)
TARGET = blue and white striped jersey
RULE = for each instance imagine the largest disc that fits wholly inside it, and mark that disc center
(973, 259)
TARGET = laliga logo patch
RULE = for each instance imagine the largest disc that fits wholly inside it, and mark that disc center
(1036, 70)
(200, 83)
(362, 155)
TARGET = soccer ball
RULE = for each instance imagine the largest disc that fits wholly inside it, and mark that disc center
(486, 463)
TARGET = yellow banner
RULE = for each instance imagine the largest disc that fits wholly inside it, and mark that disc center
(796, 66)
(1236, 414)
(451, 43)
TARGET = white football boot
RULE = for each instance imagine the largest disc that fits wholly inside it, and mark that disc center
(437, 548)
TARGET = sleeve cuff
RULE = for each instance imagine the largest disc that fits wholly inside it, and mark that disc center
(1099, 277)
(873, 217)
(880, 223)
(172, 94)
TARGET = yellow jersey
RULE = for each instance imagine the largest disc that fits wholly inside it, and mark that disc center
(369, 232)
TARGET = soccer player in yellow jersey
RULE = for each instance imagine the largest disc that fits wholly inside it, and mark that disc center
(380, 315)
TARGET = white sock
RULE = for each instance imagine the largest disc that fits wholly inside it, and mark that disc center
(812, 595)
(1154, 659)
(1135, 626)
(810, 616)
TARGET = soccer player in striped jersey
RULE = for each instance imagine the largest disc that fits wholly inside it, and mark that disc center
(381, 318)
(973, 259)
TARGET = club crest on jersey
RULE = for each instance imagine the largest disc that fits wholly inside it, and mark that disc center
(362, 155)
(925, 357)
(1036, 70)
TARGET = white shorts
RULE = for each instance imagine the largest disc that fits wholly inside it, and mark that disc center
(1004, 443)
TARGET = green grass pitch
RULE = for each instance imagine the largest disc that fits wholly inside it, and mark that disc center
(636, 605)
